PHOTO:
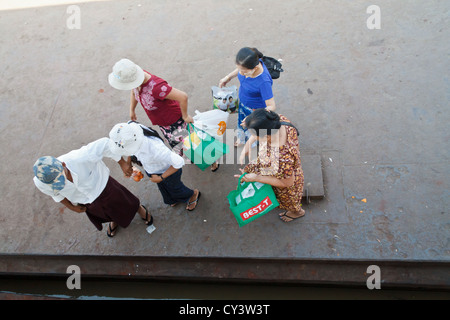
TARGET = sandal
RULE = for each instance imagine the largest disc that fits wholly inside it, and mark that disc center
(284, 214)
(148, 223)
(217, 168)
(192, 202)
(110, 231)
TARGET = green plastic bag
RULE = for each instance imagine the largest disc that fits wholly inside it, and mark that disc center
(204, 150)
(251, 200)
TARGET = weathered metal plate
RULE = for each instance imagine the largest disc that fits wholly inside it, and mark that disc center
(312, 171)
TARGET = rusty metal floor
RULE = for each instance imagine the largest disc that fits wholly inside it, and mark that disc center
(372, 104)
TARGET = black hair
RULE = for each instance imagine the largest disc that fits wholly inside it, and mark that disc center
(148, 132)
(248, 57)
(263, 122)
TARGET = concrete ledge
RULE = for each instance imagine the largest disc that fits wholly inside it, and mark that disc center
(394, 273)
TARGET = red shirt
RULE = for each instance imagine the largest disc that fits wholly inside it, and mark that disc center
(152, 96)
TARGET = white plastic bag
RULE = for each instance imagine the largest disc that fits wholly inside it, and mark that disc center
(248, 192)
(213, 122)
(225, 98)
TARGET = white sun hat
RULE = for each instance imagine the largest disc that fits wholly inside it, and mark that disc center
(126, 75)
(125, 139)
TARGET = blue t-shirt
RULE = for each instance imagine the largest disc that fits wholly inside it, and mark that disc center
(254, 92)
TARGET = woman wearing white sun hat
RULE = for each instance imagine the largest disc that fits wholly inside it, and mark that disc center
(165, 105)
(163, 166)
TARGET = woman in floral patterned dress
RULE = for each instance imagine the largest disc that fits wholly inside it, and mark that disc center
(165, 106)
(278, 162)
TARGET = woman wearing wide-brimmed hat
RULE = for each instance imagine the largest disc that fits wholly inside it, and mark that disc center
(166, 106)
(163, 166)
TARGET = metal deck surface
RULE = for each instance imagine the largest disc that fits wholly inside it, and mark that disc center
(372, 104)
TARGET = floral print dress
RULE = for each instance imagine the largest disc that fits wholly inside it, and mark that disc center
(282, 162)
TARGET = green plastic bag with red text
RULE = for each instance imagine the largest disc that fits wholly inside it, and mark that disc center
(251, 200)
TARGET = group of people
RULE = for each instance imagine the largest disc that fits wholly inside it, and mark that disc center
(81, 181)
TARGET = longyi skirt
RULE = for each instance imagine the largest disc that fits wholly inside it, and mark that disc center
(116, 203)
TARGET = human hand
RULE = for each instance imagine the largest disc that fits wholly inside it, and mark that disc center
(188, 119)
(79, 208)
(127, 168)
(243, 125)
(249, 177)
(223, 82)
(133, 116)
(238, 175)
(156, 178)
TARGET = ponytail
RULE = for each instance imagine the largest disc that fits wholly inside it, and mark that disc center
(248, 57)
(148, 132)
(263, 121)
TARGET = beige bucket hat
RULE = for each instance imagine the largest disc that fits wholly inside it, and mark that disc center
(126, 75)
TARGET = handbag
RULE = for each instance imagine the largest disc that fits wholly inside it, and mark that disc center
(273, 66)
(201, 148)
(251, 200)
(225, 98)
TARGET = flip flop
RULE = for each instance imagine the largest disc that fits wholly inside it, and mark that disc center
(292, 218)
(110, 234)
(148, 223)
(217, 168)
(195, 201)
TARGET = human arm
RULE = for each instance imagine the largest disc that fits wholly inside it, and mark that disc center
(98, 149)
(77, 208)
(133, 104)
(126, 166)
(270, 104)
(273, 181)
(159, 178)
(223, 82)
(165, 159)
(266, 91)
(246, 149)
(182, 98)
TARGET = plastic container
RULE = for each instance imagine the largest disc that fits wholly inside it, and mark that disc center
(137, 175)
